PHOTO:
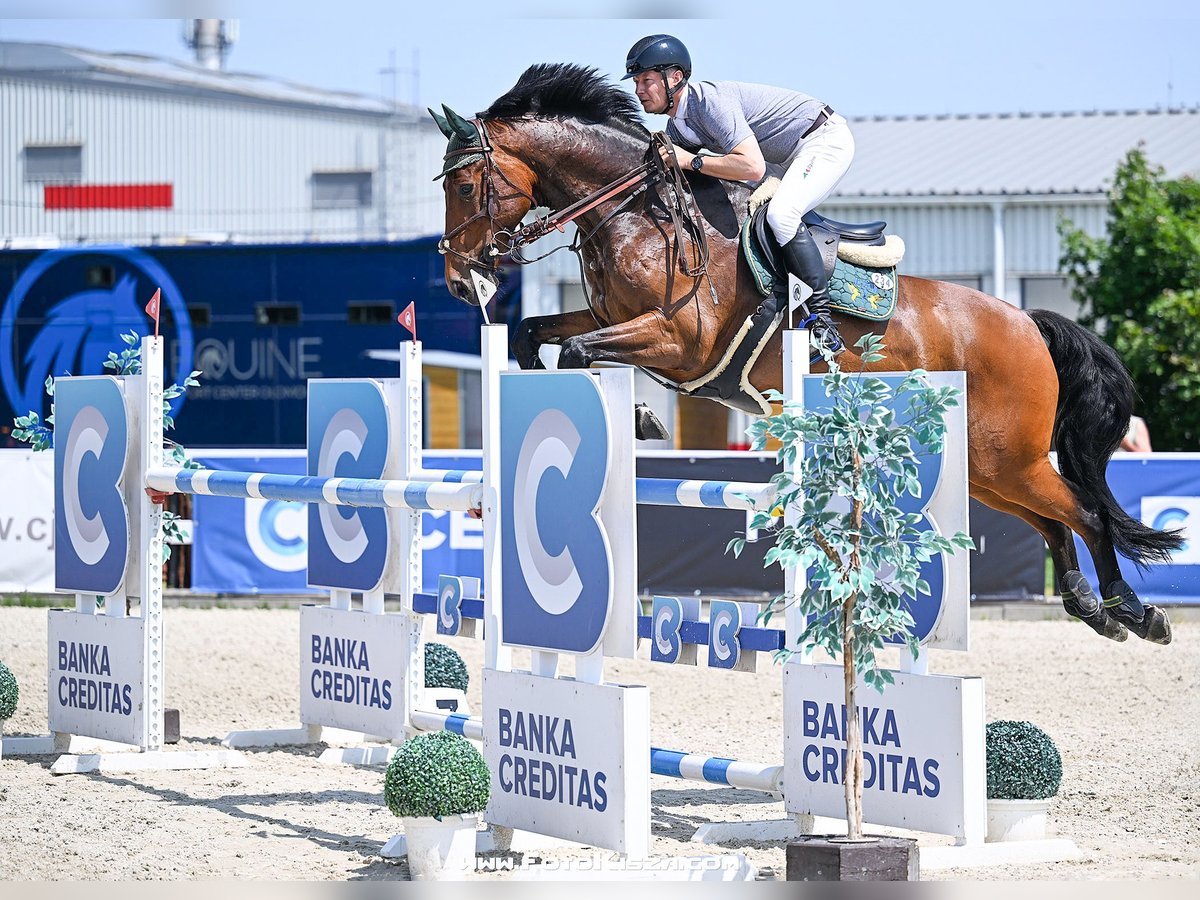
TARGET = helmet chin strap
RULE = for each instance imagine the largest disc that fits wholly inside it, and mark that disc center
(670, 92)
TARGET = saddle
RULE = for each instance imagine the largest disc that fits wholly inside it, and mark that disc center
(856, 287)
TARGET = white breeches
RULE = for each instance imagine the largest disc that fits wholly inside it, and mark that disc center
(814, 171)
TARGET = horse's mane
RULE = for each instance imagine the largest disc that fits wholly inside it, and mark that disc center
(565, 89)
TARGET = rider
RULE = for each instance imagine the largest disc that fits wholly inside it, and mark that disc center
(747, 126)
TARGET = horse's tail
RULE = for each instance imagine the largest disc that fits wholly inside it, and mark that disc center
(1095, 401)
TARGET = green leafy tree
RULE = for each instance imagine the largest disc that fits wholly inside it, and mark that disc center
(1137, 286)
(862, 552)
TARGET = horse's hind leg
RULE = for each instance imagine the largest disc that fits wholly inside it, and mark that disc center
(1044, 492)
(1077, 595)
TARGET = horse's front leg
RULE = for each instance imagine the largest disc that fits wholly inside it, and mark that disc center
(648, 342)
(535, 331)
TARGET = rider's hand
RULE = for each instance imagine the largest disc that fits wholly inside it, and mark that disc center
(683, 158)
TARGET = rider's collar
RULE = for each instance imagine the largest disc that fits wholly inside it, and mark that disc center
(681, 101)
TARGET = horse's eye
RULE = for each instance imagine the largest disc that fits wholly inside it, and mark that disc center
(466, 190)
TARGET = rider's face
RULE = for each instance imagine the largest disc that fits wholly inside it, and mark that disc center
(652, 92)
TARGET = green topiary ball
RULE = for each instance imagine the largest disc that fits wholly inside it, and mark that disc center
(445, 668)
(437, 774)
(10, 692)
(1022, 762)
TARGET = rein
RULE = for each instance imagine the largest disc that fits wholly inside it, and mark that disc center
(681, 206)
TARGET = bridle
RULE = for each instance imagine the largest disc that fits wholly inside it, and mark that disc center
(510, 242)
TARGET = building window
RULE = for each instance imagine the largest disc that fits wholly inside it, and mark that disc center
(341, 190)
(50, 163)
(277, 314)
(200, 314)
(370, 312)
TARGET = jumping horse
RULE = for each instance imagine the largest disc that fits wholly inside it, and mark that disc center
(669, 291)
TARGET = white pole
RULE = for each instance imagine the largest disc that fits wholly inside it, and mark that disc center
(796, 353)
(494, 345)
(150, 540)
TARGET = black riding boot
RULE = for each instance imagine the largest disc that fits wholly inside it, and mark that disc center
(803, 259)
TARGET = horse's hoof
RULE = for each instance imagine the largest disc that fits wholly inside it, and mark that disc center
(1081, 602)
(647, 426)
(1124, 604)
(1154, 627)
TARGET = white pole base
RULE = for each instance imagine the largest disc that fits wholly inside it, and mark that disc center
(304, 734)
(45, 744)
(765, 830)
(724, 867)
(998, 853)
(154, 760)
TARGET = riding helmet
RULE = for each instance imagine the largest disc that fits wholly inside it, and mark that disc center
(657, 52)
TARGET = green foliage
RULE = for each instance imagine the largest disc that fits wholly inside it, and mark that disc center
(1022, 762)
(10, 692)
(444, 668)
(862, 456)
(39, 436)
(1137, 287)
(437, 774)
(1164, 361)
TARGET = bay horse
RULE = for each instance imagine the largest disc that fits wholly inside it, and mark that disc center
(567, 139)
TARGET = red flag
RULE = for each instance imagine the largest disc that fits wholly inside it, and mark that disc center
(408, 318)
(152, 309)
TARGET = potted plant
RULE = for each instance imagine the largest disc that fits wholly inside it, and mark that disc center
(1024, 771)
(10, 692)
(844, 470)
(438, 784)
(446, 680)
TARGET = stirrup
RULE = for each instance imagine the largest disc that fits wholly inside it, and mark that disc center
(828, 336)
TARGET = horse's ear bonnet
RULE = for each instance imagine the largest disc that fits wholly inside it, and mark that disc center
(462, 134)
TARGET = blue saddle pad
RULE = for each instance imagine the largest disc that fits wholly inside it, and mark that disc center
(855, 290)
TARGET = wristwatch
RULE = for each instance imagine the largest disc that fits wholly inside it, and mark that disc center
(697, 163)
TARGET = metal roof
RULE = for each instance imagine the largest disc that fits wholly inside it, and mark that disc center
(1014, 154)
(54, 61)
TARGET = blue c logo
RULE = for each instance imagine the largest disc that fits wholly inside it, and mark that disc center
(554, 461)
(666, 620)
(1172, 517)
(277, 532)
(724, 621)
(449, 615)
(348, 437)
(91, 522)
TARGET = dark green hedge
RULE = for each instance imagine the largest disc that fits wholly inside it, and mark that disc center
(10, 692)
(437, 774)
(1022, 762)
(445, 668)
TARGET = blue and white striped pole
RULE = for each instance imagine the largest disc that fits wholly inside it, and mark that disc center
(671, 763)
(705, 494)
(371, 492)
(717, 770)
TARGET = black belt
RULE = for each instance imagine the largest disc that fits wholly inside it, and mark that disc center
(822, 118)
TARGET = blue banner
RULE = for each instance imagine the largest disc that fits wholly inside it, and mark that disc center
(1163, 491)
(261, 546)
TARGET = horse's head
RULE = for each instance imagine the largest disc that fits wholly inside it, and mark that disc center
(488, 193)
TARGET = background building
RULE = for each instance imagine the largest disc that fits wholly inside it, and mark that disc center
(100, 147)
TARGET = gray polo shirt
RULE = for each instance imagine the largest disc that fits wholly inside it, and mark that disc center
(719, 115)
